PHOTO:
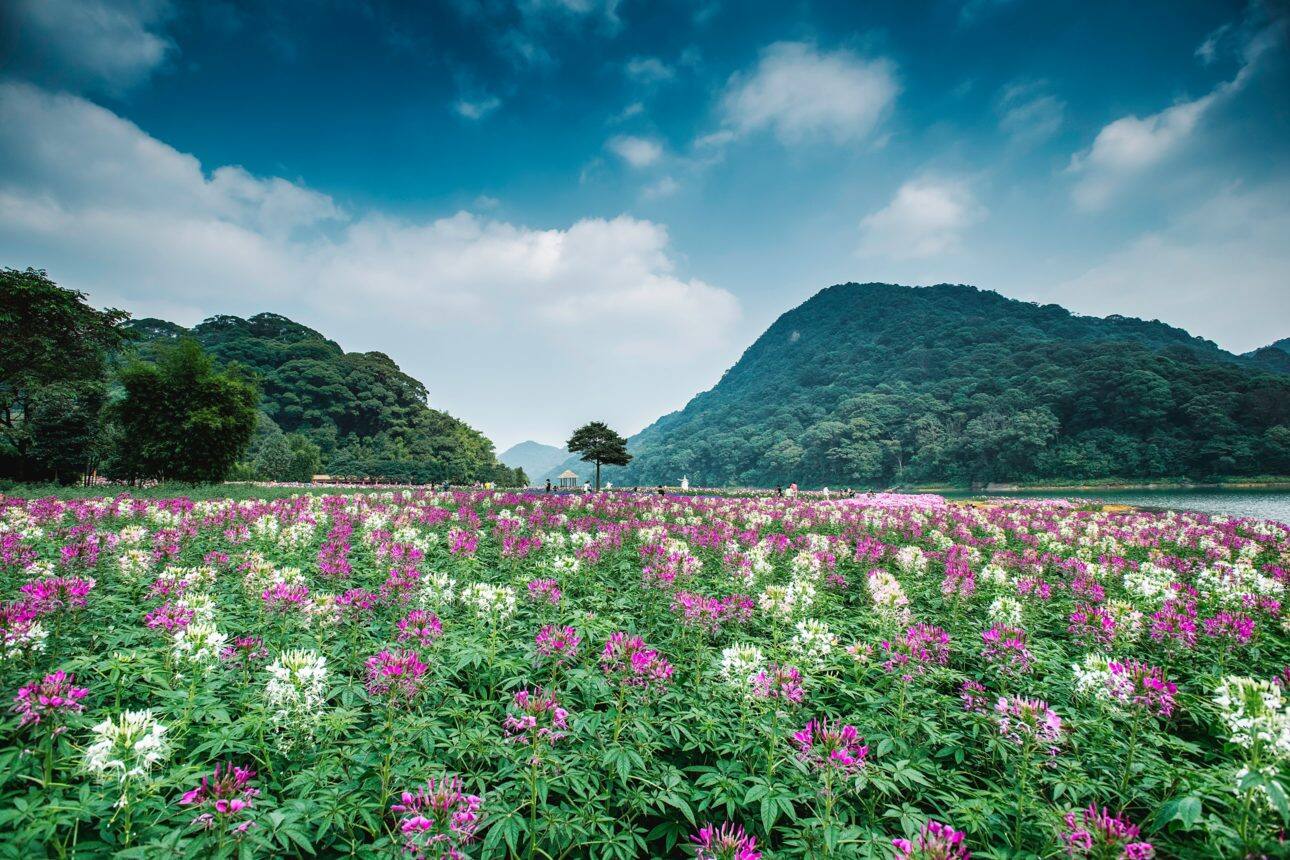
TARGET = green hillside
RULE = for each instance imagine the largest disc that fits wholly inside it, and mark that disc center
(365, 415)
(876, 384)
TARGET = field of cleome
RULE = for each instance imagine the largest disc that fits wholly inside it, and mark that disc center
(493, 674)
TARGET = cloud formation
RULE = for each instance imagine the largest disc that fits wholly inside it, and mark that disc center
(140, 225)
(925, 218)
(636, 151)
(1130, 146)
(1028, 114)
(95, 45)
(801, 93)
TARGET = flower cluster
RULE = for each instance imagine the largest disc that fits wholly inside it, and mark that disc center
(1028, 722)
(1098, 833)
(536, 717)
(223, 799)
(831, 746)
(936, 841)
(395, 675)
(127, 748)
(420, 628)
(779, 682)
(557, 644)
(49, 701)
(295, 695)
(727, 842)
(626, 658)
(438, 820)
(1005, 648)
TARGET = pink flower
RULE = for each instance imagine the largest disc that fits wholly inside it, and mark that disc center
(537, 716)
(51, 699)
(53, 593)
(923, 645)
(1005, 647)
(626, 658)
(396, 674)
(779, 682)
(169, 617)
(974, 697)
(544, 591)
(710, 613)
(1097, 831)
(1141, 686)
(222, 798)
(727, 842)
(438, 820)
(283, 597)
(558, 644)
(1025, 721)
(827, 746)
(420, 627)
(244, 650)
(936, 841)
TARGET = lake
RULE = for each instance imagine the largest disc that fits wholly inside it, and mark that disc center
(1263, 504)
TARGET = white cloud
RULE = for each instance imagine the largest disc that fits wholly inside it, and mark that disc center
(649, 70)
(101, 45)
(1130, 146)
(496, 315)
(637, 151)
(926, 217)
(1028, 114)
(800, 93)
(476, 109)
(665, 187)
(1219, 271)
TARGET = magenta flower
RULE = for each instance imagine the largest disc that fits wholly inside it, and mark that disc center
(283, 597)
(537, 716)
(727, 842)
(779, 682)
(974, 697)
(1235, 629)
(544, 591)
(833, 747)
(224, 799)
(1141, 686)
(710, 613)
(923, 645)
(1098, 832)
(936, 841)
(462, 542)
(420, 627)
(438, 820)
(49, 700)
(558, 644)
(396, 674)
(627, 659)
(244, 651)
(1025, 721)
(53, 593)
(169, 617)
(1005, 648)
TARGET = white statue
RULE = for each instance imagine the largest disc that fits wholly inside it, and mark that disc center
(685, 484)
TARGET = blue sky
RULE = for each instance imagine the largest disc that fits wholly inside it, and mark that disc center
(558, 210)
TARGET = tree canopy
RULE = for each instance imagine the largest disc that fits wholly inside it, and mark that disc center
(876, 385)
(597, 443)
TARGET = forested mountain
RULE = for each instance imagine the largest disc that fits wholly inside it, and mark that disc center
(875, 384)
(365, 415)
(1274, 356)
(534, 458)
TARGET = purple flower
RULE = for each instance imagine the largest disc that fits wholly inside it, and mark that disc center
(1098, 832)
(558, 644)
(779, 682)
(923, 645)
(936, 841)
(438, 820)
(727, 842)
(627, 659)
(1005, 648)
(244, 651)
(710, 613)
(396, 674)
(51, 699)
(827, 746)
(1024, 721)
(223, 798)
(420, 627)
(544, 591)
(537, 716)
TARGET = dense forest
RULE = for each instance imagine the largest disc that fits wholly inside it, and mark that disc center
(876, 385)
(351, 413)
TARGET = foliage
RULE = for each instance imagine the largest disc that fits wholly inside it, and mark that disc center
(619, 675)
(597, 443)
(363, 414)
(181, 419)
(53, 352)
(875, 385)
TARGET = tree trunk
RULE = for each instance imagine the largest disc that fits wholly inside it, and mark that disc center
(597, 476)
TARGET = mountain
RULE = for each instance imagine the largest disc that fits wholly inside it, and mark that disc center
(534, 458)
(365, 415)
(1274, 356)
(876, 385)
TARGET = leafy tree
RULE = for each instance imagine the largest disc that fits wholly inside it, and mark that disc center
(273, 460)
(599, 444)
(49, 336)
(65, 420)
(306, 458)
(181, 419)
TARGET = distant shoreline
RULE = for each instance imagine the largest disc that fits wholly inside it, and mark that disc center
(1270, 483)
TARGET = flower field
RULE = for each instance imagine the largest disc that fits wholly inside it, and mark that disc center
(615, 675)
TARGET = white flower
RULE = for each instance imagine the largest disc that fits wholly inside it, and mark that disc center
(437, 589)
(1256, 713)
(295, 693)
(1006, 610)
(888, 597)
(813, 642)
(497, 601)
(127, 747)
(911, 559)
(199, 642)
(741, 663)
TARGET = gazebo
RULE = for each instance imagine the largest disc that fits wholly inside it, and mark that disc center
(568, 479)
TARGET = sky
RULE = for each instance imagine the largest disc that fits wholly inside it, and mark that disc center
(554, 211)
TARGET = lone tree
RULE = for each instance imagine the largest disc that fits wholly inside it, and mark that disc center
(598, 444)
